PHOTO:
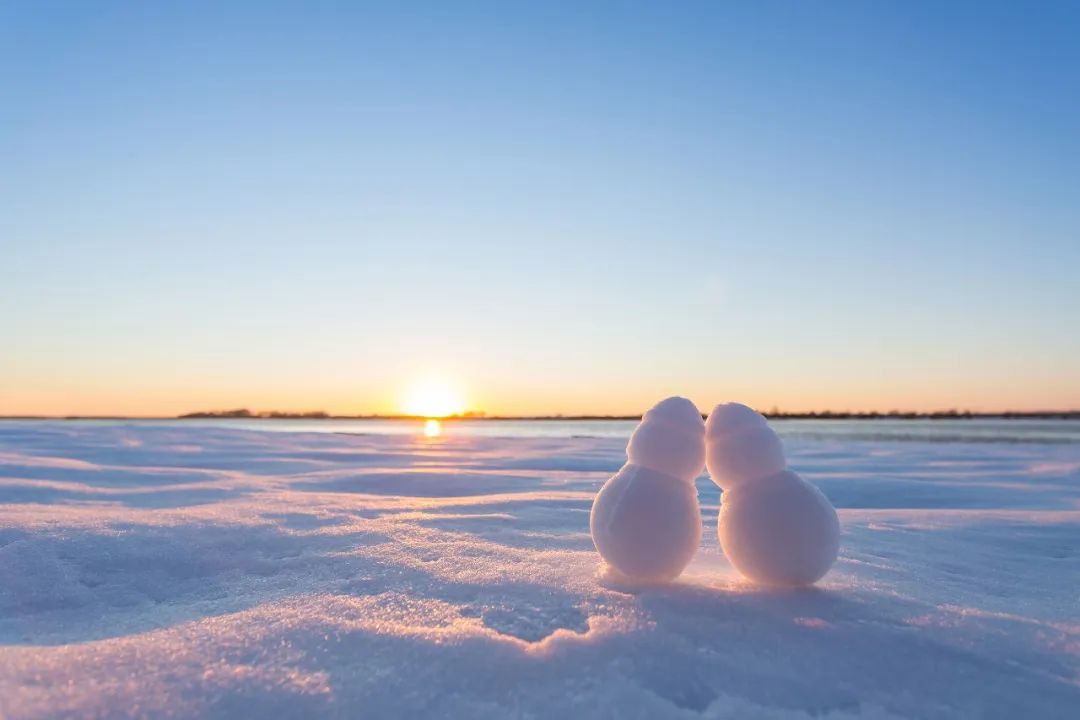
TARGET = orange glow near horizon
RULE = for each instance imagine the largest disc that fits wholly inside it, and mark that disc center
(514, 393)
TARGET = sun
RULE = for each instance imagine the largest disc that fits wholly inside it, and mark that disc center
(433, 399)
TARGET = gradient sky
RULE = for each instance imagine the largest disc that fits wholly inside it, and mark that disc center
(573, 208)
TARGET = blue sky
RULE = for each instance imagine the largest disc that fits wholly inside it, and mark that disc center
(574, 208)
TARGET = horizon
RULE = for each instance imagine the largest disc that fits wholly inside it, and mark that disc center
(545, 210)
(469, 415)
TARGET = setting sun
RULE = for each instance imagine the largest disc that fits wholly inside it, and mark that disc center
(433, 399)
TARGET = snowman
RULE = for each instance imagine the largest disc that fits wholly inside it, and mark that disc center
(646, 521)
(774, 527)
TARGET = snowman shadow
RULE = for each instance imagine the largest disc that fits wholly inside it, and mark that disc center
(703, 591)
(743, 637)
(769, 609)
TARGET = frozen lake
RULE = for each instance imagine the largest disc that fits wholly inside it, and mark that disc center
(944, 430)
(358, 568)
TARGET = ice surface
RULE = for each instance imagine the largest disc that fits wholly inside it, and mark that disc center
(209, 572)
(645, 521)
(773, 526)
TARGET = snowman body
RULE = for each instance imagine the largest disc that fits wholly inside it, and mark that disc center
(774, 527)
(646, 521)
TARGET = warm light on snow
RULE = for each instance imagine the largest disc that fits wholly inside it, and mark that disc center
(432, 428)
(214, 571)
(433, 399)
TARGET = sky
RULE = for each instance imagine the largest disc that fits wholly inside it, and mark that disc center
(546, 207)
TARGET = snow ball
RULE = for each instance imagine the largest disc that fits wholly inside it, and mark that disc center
(670, 440)
(728, 417)
(779, 530)
(741, 447)
(646, 524)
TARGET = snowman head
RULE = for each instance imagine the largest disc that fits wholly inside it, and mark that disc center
(741, 447)
(670, 439)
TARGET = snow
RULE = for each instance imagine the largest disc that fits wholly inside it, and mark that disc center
(178, 570)
(645, 524)
(646, 520)
(670, 439)
(740, 446)
(774, 527)
(779, 530)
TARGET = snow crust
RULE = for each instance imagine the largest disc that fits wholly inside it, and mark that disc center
(181, 571)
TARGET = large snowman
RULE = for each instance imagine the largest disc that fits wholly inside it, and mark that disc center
(774, 527)
(645, 521)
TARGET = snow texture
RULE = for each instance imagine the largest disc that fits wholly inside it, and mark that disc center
(183, 571)
(774, 527)
(779, 530)
(740, 446)
(646, 521)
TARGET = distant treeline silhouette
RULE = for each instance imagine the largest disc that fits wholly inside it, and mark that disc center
(775, 414)
(245, 413)
(934, 415)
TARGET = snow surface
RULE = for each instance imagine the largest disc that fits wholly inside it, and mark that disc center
(215, 572)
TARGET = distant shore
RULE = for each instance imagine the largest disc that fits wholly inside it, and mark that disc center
(477, 417)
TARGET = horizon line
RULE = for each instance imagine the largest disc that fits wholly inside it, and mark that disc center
(244, 414)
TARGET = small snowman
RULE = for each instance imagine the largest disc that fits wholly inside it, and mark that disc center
(645, 521)
(774, 527)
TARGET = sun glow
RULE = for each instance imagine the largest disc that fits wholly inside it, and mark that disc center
(433, 399)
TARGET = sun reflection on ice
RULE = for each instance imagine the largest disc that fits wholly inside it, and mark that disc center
(432, 428)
